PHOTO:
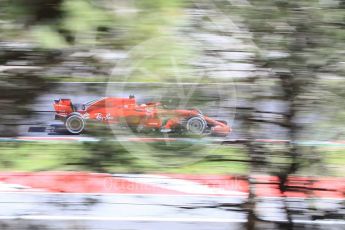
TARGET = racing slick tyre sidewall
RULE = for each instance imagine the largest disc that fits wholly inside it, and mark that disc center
(77, 121)
(196, 125)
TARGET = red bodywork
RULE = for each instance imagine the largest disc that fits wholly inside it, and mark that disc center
(115, 110)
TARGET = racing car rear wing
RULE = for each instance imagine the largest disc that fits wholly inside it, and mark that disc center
(63, 107)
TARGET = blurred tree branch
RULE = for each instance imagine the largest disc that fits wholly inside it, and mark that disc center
(307, 40)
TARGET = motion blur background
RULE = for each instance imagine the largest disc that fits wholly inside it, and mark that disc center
(273, 69)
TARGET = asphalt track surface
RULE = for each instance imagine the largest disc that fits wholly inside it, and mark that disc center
(84, 211)
(42, 126)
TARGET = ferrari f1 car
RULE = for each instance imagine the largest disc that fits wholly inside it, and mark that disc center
(149, 116)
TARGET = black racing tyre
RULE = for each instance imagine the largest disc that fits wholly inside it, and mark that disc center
(74, 123)
(196, 125)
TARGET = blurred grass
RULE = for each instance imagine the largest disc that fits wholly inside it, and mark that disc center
(41, 156)
(63, 156)
(335, 157)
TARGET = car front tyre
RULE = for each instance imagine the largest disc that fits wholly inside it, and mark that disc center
(196, 125)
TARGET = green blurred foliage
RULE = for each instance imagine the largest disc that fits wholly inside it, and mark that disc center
(41, 156)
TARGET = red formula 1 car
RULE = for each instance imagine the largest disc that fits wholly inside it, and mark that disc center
(150, 116)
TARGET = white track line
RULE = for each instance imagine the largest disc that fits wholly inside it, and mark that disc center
(40, 193)
(156, 219)
(8, 187)
(129, 218)
(180, 185)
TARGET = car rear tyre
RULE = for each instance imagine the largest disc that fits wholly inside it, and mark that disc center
(75, 124)
(196, 125)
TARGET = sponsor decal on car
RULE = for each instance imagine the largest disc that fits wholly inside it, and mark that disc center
(101, 117)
